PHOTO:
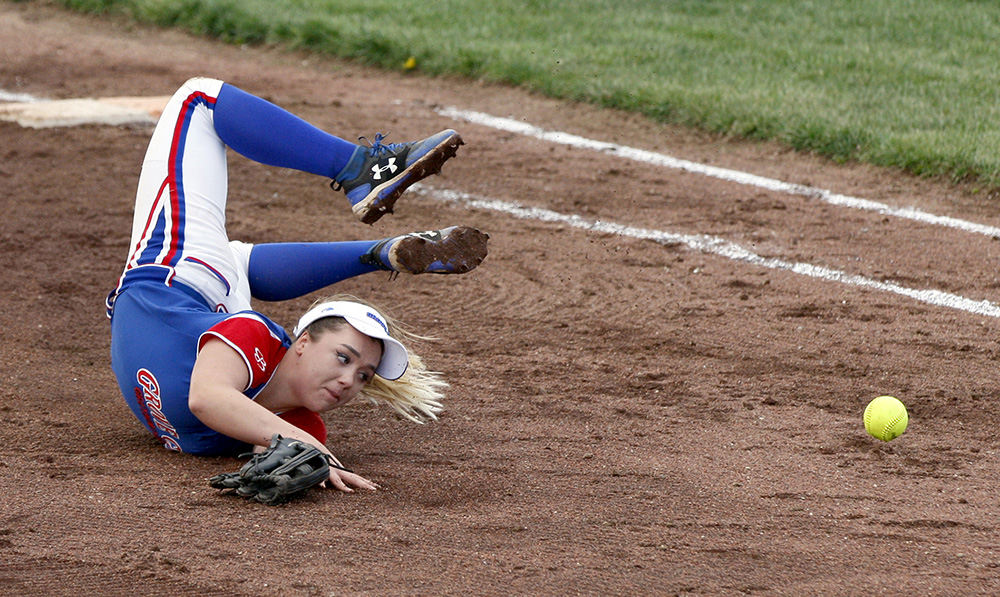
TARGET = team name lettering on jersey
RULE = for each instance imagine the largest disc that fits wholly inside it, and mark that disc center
(149, 394)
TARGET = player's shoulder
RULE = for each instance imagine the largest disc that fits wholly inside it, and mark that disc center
(251, 322)
(260, 342)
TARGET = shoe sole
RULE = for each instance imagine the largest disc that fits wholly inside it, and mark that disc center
(463, 249)
(382, 198)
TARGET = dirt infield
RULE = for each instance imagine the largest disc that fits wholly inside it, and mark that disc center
(625, 416)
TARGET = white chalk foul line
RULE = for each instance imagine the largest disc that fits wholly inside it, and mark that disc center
(10, 96)
(659, 159)
(713, 245)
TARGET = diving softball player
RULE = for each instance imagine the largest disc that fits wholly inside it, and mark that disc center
(197, 366)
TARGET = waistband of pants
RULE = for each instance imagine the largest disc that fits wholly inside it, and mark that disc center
(161, 274)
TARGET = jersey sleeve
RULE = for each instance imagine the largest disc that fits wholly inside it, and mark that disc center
(259, 347)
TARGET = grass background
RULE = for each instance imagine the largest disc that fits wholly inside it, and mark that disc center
(912, 84)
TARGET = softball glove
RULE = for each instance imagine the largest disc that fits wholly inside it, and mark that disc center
(286, 468)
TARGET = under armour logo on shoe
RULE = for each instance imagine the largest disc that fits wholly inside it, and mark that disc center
(378, 170)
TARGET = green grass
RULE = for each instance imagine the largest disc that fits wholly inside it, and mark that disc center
(904, 83)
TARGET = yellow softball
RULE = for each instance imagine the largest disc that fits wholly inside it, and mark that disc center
(886, 418)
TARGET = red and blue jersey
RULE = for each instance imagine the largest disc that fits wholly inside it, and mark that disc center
(157, 331)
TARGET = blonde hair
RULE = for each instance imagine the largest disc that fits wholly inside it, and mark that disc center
(418, 393)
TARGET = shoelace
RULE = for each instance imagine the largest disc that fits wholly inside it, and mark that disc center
(376, 147)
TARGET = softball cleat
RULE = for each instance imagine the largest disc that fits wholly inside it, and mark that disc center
(378, 174)
(454, 250)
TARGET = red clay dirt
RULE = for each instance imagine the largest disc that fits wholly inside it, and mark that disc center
(625, 416)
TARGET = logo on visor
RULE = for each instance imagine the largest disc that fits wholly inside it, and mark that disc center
(380, 322)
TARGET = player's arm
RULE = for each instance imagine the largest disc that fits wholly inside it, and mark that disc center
(216, 398)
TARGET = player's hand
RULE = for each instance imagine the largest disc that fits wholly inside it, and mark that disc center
(341, 477)
(343, 480)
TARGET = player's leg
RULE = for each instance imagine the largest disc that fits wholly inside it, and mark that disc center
(282, 271)
(372, 177)
(178, 229)
(179, 225)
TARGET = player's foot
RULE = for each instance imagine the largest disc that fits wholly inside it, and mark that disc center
(454, 250)
(377, 175)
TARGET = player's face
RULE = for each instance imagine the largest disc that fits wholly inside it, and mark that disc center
(334, 367)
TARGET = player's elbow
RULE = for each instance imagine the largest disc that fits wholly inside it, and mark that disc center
(200, 401)
(206, 407)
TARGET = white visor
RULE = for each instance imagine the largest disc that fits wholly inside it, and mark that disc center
(369, 322)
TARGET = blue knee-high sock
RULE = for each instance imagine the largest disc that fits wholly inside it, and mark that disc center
(268, 134)
(282, 271)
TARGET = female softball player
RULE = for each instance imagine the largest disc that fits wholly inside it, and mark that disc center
(197, 366)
